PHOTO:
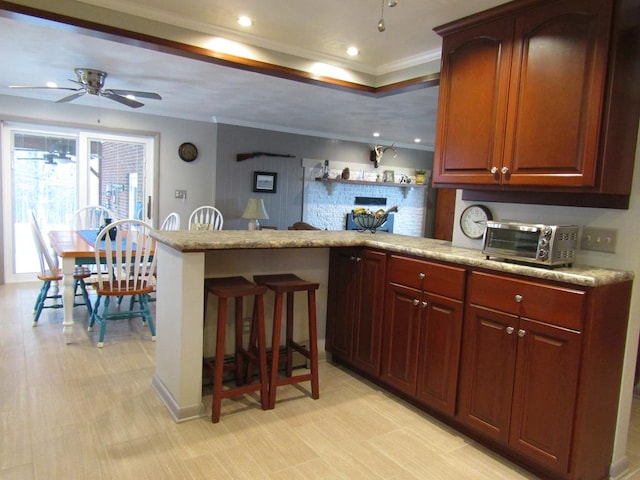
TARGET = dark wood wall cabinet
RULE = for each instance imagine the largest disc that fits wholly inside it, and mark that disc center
(540, 95)
(528, 367)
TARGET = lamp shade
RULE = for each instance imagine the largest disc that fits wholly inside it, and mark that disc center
(255, 209)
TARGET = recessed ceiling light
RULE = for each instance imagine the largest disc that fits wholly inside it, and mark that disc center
(417, 140)
(352, 51)
(52, 85)
(245, 21)
(376, 134)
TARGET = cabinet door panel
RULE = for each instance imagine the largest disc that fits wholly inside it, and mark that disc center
(489, 357)
(400, 341)
(341, 305)
(472, 104)
(368, 321)
(556, 86)
(439, 353)
(544, 395)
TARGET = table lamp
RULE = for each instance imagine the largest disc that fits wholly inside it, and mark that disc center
(255, 211)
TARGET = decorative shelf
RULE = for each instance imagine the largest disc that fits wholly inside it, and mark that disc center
(330, 183)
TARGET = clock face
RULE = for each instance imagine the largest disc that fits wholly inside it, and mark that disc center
(473, 220)
(188, 152)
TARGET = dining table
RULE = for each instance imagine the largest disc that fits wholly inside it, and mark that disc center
(74, 247)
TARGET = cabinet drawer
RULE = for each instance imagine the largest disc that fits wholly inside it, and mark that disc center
(440, 279)
(547, 303)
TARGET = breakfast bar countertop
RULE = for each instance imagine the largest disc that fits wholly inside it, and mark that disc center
(198, 241)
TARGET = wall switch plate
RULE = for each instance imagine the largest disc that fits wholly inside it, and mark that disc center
(599, 239)
(181, 194)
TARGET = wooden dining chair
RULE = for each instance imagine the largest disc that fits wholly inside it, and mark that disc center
(206, 218)
(51, 272)
(90, 217)
(171, 222)
(130, 267)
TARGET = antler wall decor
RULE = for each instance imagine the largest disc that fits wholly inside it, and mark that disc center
(378, 151)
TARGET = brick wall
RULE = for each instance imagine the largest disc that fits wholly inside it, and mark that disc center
(326, 205)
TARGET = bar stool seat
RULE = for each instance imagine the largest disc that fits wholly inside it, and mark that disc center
(289, 283)
(237, 287)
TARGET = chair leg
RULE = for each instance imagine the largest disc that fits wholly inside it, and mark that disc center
(313, 344)
(94, 314)
(103, 322)
(37, 309)
(85, 296)
(289, 335)
(146, 315)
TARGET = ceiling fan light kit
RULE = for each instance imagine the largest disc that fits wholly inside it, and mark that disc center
(91, 81)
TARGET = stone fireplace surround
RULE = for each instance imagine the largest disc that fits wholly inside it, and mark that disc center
(326, 208)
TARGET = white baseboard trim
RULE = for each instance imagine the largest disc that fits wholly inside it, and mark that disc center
(179, 414)
(619, 469)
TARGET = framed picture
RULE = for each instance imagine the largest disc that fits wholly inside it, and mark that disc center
(264, 182)
(388, 176)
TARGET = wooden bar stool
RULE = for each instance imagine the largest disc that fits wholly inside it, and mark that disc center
(237, 287)
(289, 283)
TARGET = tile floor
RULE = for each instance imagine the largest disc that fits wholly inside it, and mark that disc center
(77, 412)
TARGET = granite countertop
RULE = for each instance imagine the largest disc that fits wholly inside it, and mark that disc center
(203, 240)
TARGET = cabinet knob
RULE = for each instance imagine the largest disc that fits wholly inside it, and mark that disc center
(504, 170)
(494, 170)
(521, 333)
(421, 276)
(518, 298)
(424, 304)
(416, 301)
(509, 330)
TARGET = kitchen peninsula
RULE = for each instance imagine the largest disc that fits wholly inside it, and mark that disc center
(586, 307)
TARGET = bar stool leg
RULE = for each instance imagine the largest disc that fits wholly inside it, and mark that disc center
(313, 343)
(219, 366)
(289, 365)
(275, 350)
(258, 316)
(238, 341)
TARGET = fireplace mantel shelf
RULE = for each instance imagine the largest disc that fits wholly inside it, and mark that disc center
(329, 184)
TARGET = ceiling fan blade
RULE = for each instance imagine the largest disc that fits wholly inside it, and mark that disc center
(72, 97)
(136, 93)
(45, 87)
(124, 100)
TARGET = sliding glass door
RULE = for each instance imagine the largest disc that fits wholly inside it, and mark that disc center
(53, 172)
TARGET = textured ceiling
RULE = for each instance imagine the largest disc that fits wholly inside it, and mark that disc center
(304, 30)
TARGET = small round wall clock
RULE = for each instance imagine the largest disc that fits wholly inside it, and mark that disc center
(473, 220)
(188, 152)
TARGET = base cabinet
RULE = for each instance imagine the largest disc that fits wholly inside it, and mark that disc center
(525, 380)
(531, 368)
(422, 329)
(355, 307)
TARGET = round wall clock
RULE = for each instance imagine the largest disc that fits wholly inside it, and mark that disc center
(188, 152)
(473, 220)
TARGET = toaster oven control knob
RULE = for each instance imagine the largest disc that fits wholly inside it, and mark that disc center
(547, 231)
(544, 241)
(543, 254)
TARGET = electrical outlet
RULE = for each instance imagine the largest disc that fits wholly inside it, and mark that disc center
(181, 194)
(599, 239)
(246, 325)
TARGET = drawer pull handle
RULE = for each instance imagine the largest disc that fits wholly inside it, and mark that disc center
(521, 333)
(421, 276)
(518, 298)
(509, 330)
(416, 301)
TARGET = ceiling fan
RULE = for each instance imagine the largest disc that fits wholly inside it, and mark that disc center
(91, 81)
